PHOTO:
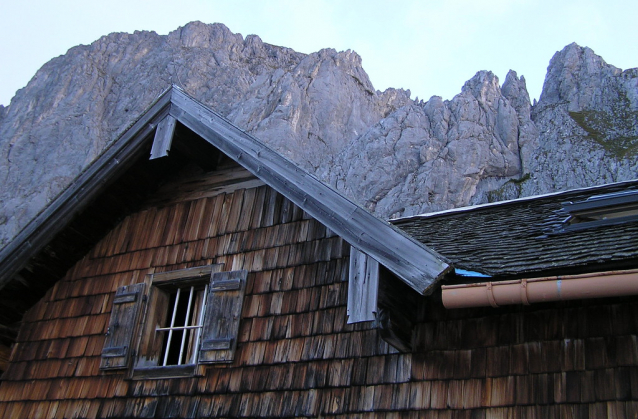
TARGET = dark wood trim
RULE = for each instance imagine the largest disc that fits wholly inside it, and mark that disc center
(199, 273)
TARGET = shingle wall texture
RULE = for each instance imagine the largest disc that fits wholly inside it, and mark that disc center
(296, 356)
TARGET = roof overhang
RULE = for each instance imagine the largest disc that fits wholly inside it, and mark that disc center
(411, 261)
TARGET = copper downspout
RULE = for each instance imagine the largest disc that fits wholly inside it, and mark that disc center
(536, 290)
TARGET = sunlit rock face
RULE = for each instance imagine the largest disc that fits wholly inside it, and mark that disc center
(394, 155)
(587, 120)
(438, 153)
(489, 143)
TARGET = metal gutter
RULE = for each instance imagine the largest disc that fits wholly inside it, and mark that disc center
(536, 290)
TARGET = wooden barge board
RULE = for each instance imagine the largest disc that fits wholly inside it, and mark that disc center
(414, 263)
(419, 266)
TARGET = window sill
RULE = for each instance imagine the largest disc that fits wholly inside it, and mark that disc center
(156, 373)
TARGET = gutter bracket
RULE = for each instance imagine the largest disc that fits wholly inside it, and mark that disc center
(490, 295)
(524, 296)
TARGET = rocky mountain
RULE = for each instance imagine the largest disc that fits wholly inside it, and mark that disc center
(394, 155)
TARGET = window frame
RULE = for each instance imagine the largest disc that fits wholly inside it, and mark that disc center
(148, 309)
(601, 210)
(188, 333)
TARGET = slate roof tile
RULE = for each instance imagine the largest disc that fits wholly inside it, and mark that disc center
(524, 237)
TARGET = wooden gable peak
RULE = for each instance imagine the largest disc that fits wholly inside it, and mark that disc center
(411, 261)
(154, 133)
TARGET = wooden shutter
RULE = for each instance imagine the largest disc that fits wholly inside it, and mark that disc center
(124, 317)
(221, 316)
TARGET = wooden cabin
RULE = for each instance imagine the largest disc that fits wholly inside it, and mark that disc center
(218, 279)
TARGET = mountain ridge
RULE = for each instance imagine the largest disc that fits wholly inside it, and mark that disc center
(394, 155)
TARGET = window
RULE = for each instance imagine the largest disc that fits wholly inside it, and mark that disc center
(600, 210)
(183, 324)
(187, 318)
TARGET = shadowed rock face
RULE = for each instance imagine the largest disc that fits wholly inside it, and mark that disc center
(394, 155)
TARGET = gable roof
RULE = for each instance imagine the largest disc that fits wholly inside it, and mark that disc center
(61, 233)
(529, 236)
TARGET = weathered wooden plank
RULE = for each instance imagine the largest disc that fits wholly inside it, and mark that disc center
(235, 212)
(170, 371)
(221, 317)
(255, 219)
(287, 210)
(226, 285)
(163, 137)
(193, 220)
(159, 221)
(209, 226)
(269, 208)
(214, 191)
(192, 187)
(124, 317)
(206, 219)
(162, 278)
(143, 230)
(363, 286)
(181, 221)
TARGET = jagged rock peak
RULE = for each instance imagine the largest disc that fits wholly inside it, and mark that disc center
(440, 154)
(576, 75)
(200, 35)
(586, 119)
(484, 86)
(515, 90)
(394, 155)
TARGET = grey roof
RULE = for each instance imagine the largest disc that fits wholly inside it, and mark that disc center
(527, 237)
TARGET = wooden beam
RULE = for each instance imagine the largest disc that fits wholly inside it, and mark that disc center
(363, 287)
(163, 137)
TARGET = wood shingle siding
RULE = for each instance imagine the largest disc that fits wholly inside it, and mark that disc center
(296, 356)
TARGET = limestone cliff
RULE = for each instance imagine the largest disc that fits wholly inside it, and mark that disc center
(392, 154)
(587, 119)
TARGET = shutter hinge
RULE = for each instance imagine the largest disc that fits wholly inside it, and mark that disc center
(129, 297)
(217, 344)
(233, 284)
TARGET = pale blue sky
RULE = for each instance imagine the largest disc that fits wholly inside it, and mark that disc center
(429, 47)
